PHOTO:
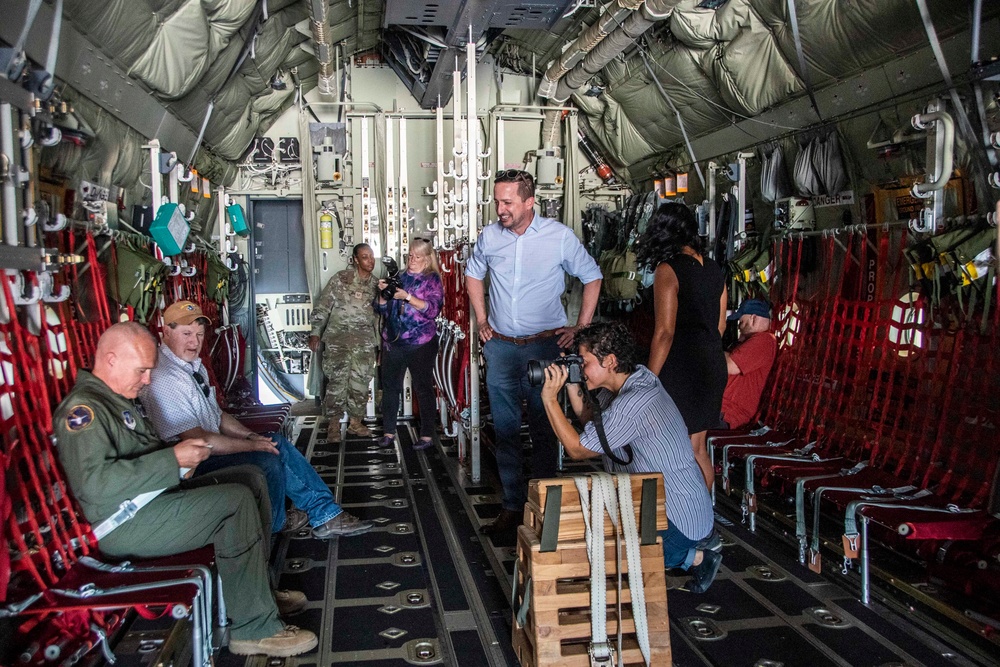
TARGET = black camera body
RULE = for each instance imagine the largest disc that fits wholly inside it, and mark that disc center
(572, 362)
(391, 279)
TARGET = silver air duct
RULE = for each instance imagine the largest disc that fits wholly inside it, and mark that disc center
(324, 49)
(614, 13)
(606, 49)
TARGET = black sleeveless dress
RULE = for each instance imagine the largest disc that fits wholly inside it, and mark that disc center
(694, 373)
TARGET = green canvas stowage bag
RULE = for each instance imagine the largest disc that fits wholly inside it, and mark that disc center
(621, 275)
(138, 280)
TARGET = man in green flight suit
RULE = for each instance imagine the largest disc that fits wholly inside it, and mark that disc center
(344, 324)
(111, 454)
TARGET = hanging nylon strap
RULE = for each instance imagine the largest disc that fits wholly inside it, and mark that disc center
(593, 504)
(803, 66)
(630, 535)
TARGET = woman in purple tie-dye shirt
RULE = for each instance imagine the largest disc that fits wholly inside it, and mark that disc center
(409, 340)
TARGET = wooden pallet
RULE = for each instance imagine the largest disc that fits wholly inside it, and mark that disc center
(557, 628)
(571, 522)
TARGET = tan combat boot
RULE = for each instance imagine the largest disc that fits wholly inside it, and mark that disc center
(355, 427)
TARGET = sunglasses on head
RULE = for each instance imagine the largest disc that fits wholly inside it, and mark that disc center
(513, 175)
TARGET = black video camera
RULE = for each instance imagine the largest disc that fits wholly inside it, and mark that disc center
(391, 279)
(572, 362)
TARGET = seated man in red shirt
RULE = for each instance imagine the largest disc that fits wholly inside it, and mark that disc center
(749, 363)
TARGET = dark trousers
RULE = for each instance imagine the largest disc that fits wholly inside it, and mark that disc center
(507, 383)
(420, 360)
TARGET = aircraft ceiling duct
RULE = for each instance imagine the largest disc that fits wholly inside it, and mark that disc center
(320, 22)
(425, 38)
(610, 47)
(614, 13)
(600, 52)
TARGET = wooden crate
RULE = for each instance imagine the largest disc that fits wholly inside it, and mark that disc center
(571, 522)
(557, 628)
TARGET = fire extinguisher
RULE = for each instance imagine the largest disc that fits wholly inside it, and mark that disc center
(325, 230)
(593, 154)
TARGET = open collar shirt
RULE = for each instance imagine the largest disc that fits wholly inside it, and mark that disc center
(643, 415)
(528, 274)
(175, 402)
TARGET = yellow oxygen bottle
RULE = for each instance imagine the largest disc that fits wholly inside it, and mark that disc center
(325, 230)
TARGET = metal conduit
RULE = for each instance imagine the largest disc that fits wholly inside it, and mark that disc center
(324, 49)
(614, 13)
(634, 25)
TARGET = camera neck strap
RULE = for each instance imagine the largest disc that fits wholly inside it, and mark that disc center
(598, 418)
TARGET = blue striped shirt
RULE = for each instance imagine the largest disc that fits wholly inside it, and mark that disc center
(643, 415)
(528, 274)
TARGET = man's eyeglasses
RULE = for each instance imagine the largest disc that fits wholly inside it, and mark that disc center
(513, 175)
(200, 381)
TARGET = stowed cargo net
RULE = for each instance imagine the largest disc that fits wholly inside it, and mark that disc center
(872, 375)
(55, 586)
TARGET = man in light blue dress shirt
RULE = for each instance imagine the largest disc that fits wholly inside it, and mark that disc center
(527, 258)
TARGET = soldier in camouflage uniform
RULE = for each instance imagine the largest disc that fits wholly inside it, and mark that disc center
(343, 321)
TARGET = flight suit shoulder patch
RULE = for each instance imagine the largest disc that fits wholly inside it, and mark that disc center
(79, 417)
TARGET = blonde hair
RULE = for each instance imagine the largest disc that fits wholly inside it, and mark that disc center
(424, 247)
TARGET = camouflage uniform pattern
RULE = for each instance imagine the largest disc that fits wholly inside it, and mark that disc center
(350, 339)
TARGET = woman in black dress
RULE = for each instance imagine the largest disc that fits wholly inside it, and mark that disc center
(689, 301)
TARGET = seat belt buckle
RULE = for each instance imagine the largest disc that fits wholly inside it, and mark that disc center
(850, 545)
(602, 654)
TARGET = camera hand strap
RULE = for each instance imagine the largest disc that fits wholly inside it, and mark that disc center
(595, 410)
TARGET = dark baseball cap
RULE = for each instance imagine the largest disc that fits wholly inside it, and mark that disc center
(757, 307)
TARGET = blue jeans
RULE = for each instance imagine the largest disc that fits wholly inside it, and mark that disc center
(507, 384)
(288, 473)
(678, 549)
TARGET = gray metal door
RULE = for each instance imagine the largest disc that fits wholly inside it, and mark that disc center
(279, 248)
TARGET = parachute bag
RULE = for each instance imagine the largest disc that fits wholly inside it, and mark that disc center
(138, 280)
(774, 184)
(807, 181)
(217, 279)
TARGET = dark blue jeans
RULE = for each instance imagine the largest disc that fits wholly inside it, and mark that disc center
(288, 473)
(678, 549)
(507, 384)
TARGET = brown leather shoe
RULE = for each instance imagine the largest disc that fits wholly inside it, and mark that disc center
(284, 644)
(294, 520)
(344, 524)
(289, 602)
(355, 427)
(506, 522)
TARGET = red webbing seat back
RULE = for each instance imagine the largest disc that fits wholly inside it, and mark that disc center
(42, 526)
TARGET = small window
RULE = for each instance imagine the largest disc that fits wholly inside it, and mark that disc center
(907, 320)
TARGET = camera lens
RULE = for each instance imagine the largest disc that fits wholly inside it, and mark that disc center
(536, 372)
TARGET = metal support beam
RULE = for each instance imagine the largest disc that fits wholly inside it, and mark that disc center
(86, 68)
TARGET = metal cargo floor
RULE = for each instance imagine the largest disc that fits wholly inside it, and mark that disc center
(425, 588)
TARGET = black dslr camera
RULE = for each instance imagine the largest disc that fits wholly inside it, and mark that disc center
(572, 362)
(391, 279)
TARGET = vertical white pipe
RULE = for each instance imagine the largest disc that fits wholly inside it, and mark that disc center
(11, 223)
(472, 147)
(155, 182)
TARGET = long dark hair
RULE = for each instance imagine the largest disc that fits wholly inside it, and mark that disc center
(671, 229)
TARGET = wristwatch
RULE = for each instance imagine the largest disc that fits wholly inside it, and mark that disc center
(407, 299)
